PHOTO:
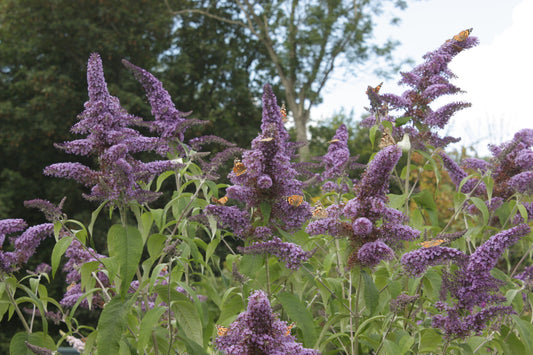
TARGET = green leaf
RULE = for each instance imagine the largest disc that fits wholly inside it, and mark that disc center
(430, 340)
(17, 345)
(126, 244)
(162, 177)
(149, 321)
(370, 293)
(425, 200)
(211, 249)
(525, 329)
(147, 219)
(94, 215)
(155, 244)
(58, 251)
(188, 320)
(266, 208)
(400, 121)
(396, 201)
(480, 204)
(231, 306)
(112, 324)
(299, 313)
(372, 134)
(511, 345)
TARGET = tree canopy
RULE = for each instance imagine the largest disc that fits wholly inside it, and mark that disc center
(305, 41)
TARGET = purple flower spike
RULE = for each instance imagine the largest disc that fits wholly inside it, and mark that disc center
(24, 246)
(113, 142)
(290, 253)
(169, 121)
(265, 180)
(474, 292)
(336, 159)
(370, 254)
(427, 82)
(259, 331)
(375, 181)
(486, 256)
(233, 218)
(416, 262)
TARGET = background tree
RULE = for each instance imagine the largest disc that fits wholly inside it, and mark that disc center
(215, 70)
(305, 41)
(44, 47)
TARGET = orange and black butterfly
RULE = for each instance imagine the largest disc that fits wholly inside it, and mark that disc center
(238, 167)
(288, 331)
(220, 201)
(375, 90)
(284, 114)
(463, 35)
(432, 243)
(221, 331)
(319, 211)
(295, 200)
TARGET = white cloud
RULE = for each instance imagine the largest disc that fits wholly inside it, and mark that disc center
(498, 78)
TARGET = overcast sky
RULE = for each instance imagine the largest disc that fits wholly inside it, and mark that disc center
(497, 75)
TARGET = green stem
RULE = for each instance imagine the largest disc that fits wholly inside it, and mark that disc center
(385, 335)
(406, 182)
(267, 276)
(11, 298)
(355, 343)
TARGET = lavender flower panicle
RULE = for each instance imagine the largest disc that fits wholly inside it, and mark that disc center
(292, 254)
(427, 82)
(113, 142)
(167, 117)
(268, 177)
(259, 331)
(24, 245)
(336, 159)
(511, 168)
(51, 212)
(474, 292)
(371, 222)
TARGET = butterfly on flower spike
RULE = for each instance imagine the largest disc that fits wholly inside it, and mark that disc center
(295, 200)
(319, 211)
(284, 114)
(386, 139)
(375, 90)
(267, 139)
(373, 96)
(288, 331)
(238, 167)
(333, 141)
(220, 201)
(221, 331)
(432, 243)
(463, 35)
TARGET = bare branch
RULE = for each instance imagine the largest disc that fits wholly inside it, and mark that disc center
(205, 13)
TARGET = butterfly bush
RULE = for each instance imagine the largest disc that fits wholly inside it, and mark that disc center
(269, 179)
(259, 331)
(337, 162)
(113, 142)
(428, 81)
(24, 245)
(511, 168)
(471, 291)
(366, 220)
